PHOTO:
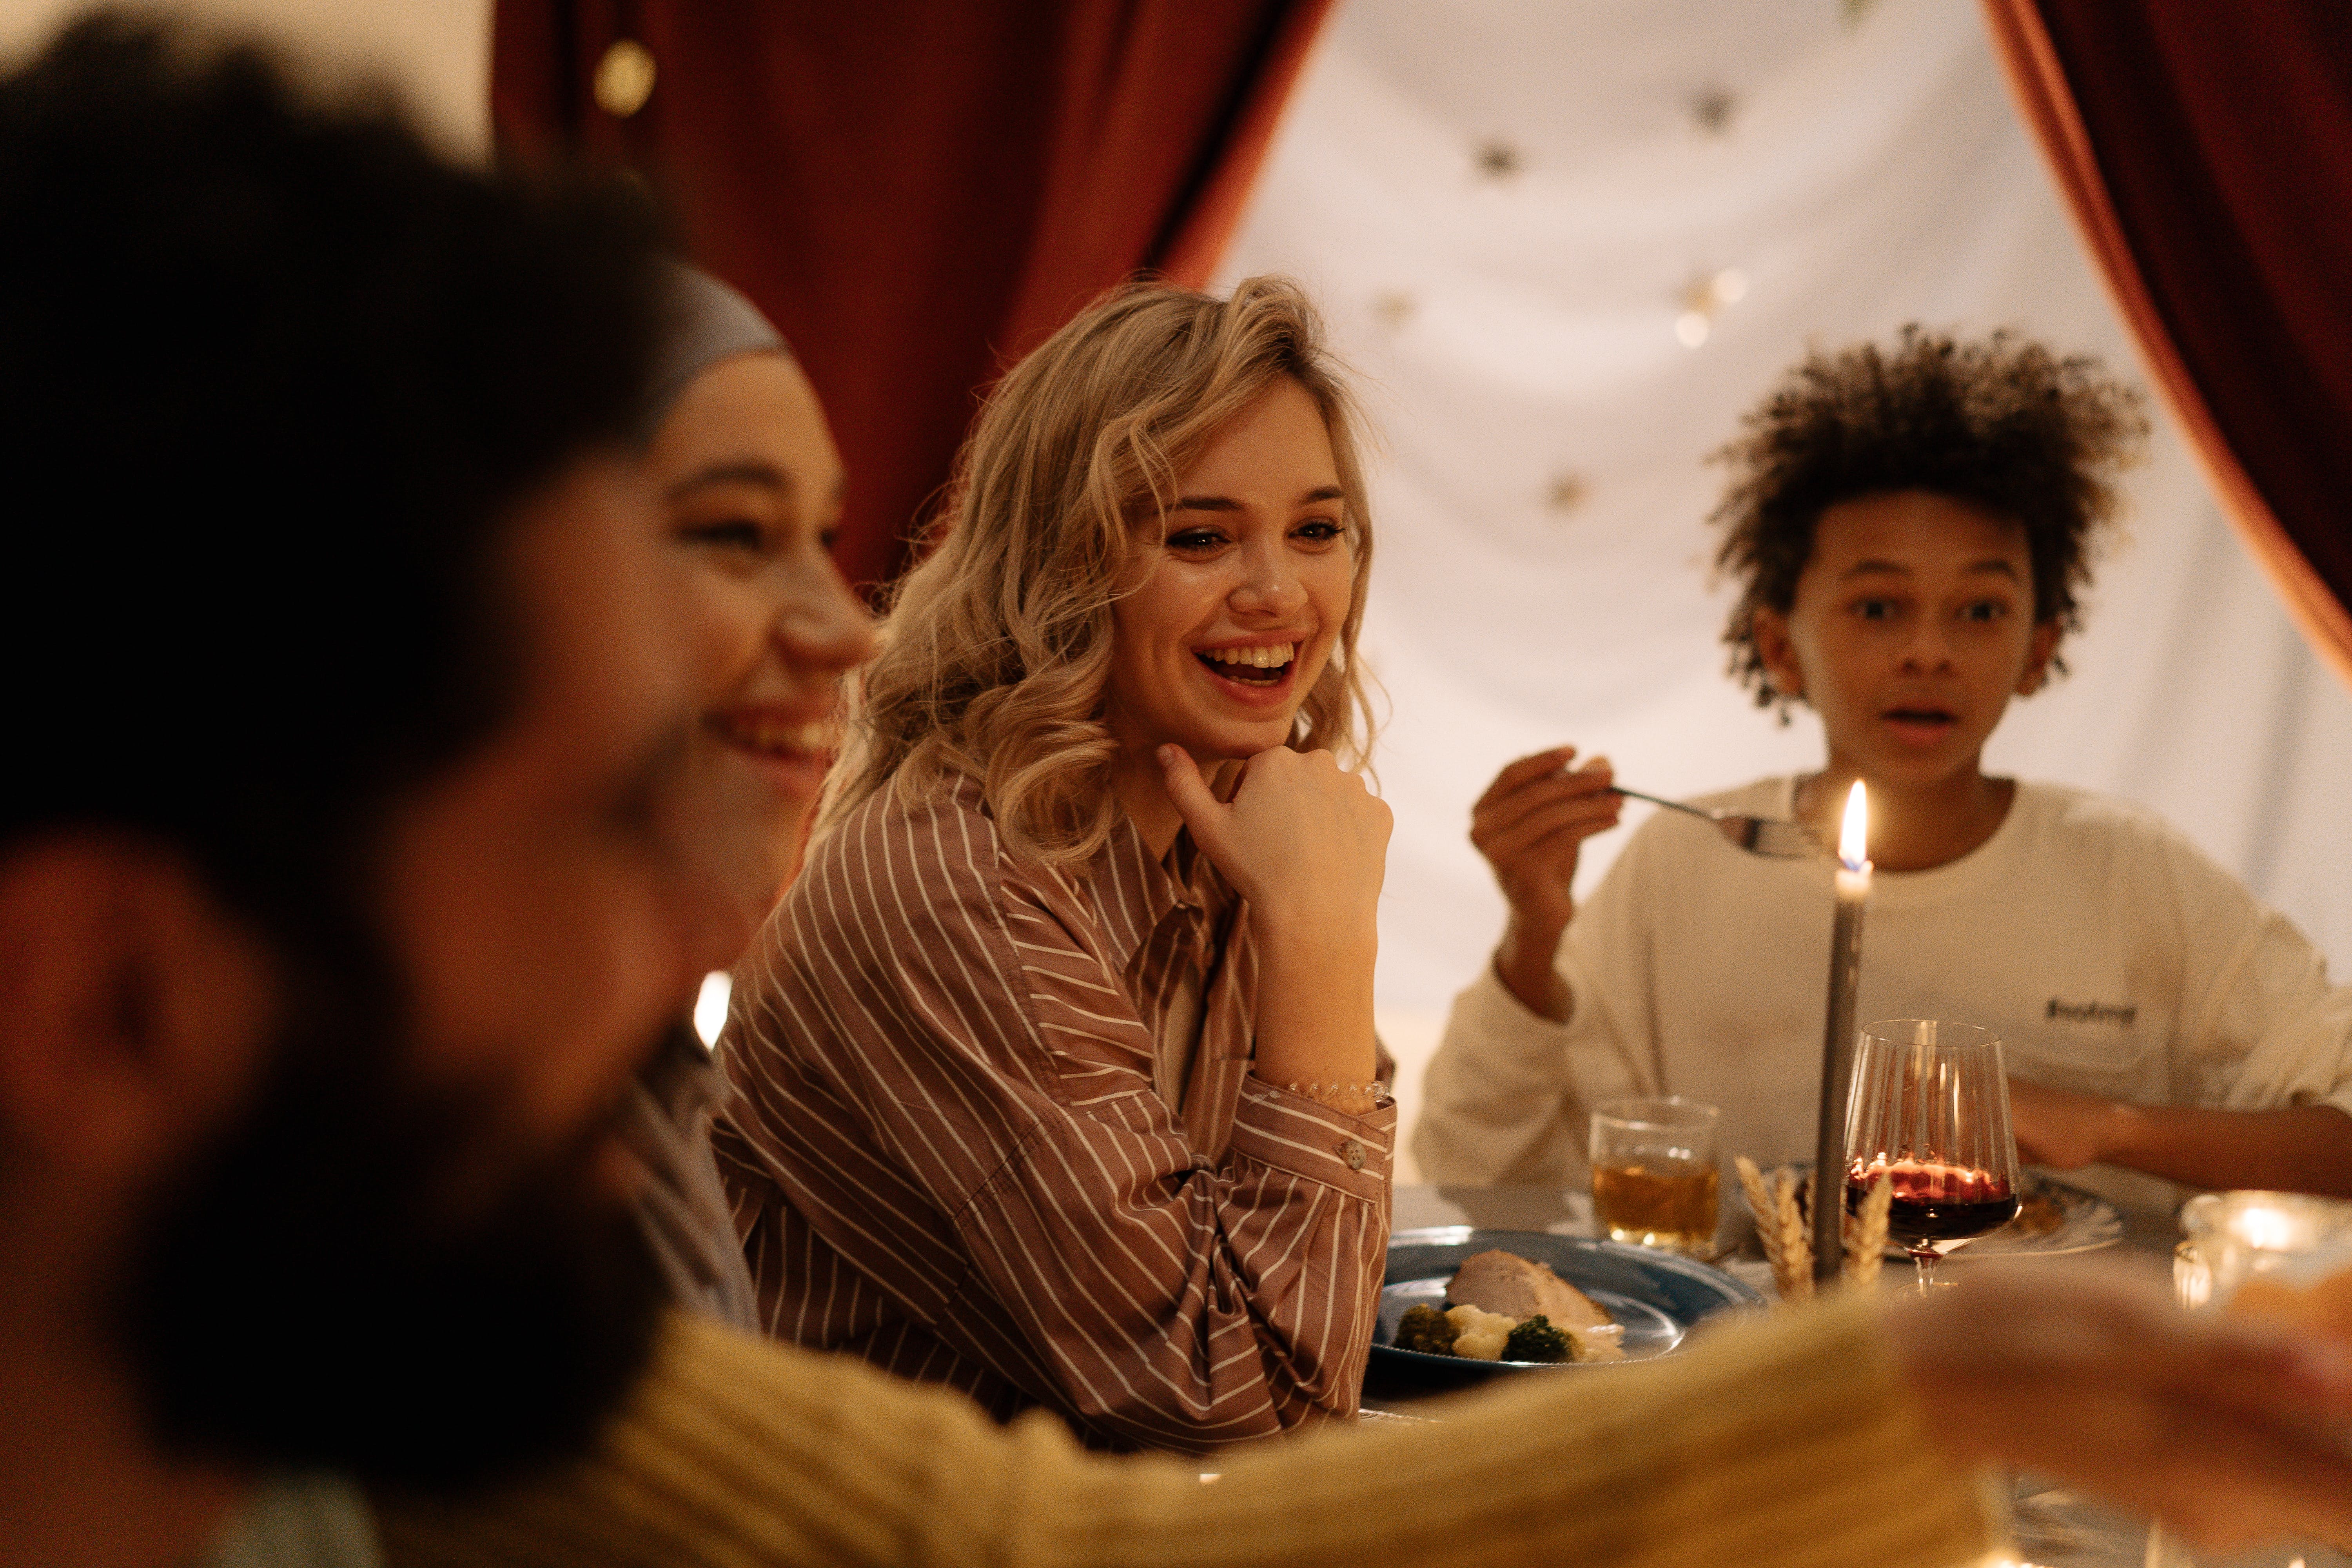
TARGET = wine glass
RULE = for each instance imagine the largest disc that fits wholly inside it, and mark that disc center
(1930, 1110)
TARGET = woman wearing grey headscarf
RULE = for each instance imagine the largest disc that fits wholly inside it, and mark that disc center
(750, 482)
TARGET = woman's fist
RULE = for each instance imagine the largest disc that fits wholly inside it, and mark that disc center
(1302, 839)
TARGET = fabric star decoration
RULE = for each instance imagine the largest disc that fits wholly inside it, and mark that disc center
(1498, 159)
(1705, 299)
(1712, 107)
(1393, 307)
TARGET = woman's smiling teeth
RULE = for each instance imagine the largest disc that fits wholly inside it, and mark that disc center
(1263, 665)
(773, 737)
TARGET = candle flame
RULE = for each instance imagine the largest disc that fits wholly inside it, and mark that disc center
(2267, 1229)
(1854, 840)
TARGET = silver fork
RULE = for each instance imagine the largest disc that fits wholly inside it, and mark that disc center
(1757, 834)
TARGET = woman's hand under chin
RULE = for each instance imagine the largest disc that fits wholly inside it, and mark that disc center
(1306, 843)
(1302, 839)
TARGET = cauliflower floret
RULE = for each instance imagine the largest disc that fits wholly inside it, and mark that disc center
(1479, 1334)
(1602, 1341)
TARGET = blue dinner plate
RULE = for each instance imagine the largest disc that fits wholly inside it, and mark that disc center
(1659, 1297)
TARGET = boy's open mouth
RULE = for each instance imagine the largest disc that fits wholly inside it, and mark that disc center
(1921, 723)
(1265, 666)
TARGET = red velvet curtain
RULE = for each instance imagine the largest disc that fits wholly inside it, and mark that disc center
(2206, 150)
(917, 191)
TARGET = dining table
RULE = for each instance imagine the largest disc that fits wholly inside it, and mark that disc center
(2052, 1525)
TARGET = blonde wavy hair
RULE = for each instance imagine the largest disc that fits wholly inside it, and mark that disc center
(996, 650)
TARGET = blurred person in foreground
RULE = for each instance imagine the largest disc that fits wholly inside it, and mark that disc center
(345, 870)
(310, 1048)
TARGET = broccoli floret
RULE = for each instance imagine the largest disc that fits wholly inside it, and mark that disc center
(1536, 1340)
(1426, 1330)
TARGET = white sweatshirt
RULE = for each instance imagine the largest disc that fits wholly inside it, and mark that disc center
(2109, 954)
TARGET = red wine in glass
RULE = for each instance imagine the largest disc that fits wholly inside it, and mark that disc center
(1935, 1206)
(1929, 1114)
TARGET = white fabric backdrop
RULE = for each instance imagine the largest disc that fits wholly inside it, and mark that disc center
(1502, 206)
(1516, 330)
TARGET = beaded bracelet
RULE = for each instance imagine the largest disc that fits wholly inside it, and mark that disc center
(1346, 1096)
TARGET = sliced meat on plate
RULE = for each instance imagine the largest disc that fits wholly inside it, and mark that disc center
(1506, 1283)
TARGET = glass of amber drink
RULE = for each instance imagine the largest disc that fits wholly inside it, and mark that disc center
(1655, 1174)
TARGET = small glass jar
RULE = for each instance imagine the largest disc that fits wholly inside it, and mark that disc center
(2291, 1238)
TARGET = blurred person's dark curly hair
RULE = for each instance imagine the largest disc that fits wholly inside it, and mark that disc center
(273, 372)
(2001, 424)
(276, 381)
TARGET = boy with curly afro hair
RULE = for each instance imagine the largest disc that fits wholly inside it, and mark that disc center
(1910, 528)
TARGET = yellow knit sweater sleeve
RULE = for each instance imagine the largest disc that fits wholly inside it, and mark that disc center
(1788, 1444)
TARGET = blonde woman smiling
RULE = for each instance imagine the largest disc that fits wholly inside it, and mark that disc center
(1053, 1080)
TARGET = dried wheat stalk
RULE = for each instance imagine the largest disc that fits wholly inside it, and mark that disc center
(1780, 1225)
(1866, 1233)
(1759, 1197)
(1796, 1238)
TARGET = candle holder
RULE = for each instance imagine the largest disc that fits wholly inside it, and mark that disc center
(1838, 1035)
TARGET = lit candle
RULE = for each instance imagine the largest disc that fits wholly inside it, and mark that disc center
(2265, 1227)
(1837, 1036)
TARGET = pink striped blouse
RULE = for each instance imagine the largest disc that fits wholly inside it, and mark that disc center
(947, 1153)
